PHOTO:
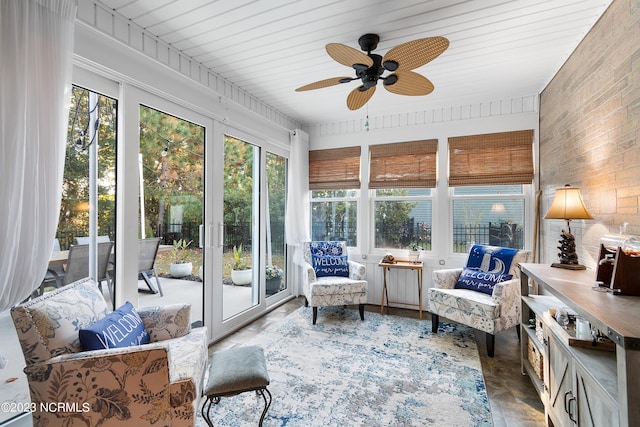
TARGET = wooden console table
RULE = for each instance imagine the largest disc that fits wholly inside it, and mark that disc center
(405, 265)
(580, 385)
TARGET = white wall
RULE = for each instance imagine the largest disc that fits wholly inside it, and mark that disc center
(491, 117)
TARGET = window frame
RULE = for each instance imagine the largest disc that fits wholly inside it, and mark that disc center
(356, 198)
(525, 196)
(373, 198)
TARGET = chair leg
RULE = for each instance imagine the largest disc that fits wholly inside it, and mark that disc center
(491, 339)
(157, 281)
(315, 314)
(205, 414)
(434, 323)
(361, 310)
(266, 404)
(147, 281)
(518, 332)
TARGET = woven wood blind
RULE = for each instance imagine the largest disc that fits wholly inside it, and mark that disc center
(334, 169)
(403, 165)
(491, 159)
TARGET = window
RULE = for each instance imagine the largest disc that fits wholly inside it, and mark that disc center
(402, 218)
(92, 123)
(401, 177)
(334, 178)
(334, 215)
(489, 215)
(490, 175)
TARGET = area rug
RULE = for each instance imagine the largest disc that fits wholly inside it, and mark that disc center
(385, 371)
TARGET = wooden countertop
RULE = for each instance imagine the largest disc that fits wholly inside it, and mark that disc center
(621, 314)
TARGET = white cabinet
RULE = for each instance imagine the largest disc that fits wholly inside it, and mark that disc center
(581, 386)
(562, 403)
(595, 407)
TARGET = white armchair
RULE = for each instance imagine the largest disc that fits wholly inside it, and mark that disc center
(489, 312)
(321, 287)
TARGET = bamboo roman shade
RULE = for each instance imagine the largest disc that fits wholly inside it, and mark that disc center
(403, 165)
(491, 159)
(334, 169)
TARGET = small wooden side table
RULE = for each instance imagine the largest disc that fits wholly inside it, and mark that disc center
(404, 265)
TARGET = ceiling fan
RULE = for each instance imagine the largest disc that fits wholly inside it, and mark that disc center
(369, 67)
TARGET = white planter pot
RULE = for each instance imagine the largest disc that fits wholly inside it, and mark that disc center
(241, 277)
(181, 270)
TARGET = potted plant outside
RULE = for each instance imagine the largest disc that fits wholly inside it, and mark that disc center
(241, 273)
(179, 267)
(273, 276)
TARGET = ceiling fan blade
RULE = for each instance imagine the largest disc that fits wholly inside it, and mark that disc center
(347, 55)
(324, 83)
(416, 53)
(410, 83)
(358, 98)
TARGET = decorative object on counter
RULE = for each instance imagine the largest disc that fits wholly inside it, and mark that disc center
(389, 259)
(618, 263)
(631, 246)
(567, 204)
(414, 254)
(562, 317)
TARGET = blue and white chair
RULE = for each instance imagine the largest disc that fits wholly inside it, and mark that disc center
(484, 295)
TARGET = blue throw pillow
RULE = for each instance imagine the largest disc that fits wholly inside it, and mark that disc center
(322, 248)
(331, 265)
(491, 259)
(120, 328)
(481, 281)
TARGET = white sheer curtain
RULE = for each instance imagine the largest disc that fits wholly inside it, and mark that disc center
(36, 48)
(297, 215)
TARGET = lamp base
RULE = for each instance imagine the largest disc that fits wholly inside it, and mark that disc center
(569, 266)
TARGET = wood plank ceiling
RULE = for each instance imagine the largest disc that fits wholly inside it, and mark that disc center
(499, 48)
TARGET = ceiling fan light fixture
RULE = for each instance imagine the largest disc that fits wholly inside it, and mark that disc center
(370, 67)
(390, 65)
(390, 79)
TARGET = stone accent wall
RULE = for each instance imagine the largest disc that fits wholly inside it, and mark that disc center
(590, 133)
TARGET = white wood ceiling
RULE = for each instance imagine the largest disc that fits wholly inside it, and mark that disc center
(499, 48)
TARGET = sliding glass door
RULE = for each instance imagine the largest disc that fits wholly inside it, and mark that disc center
(241, 289)
(171, 212)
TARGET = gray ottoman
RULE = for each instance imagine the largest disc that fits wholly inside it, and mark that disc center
(236, 371)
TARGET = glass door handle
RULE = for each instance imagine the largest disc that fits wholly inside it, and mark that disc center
(221, 235)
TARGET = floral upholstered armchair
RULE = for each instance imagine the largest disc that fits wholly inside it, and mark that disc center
(331, 278)
(485, 296)
(158, 383)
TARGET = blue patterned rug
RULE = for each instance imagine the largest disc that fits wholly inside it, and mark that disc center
(385, 371)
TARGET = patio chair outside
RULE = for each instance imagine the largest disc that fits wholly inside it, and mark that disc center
(147, 252)
(54, 275)
(85, 240)
(78, 265)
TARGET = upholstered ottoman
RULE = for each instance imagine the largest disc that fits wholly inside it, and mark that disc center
(236, 371)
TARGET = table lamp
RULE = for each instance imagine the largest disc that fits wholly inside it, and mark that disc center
(567, 204)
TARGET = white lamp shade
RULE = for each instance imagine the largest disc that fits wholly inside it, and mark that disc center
(568, 204)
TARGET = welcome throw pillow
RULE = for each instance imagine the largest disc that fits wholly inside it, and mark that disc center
(331, 265)
(120, 328)
(480, 281)
(491, 259)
